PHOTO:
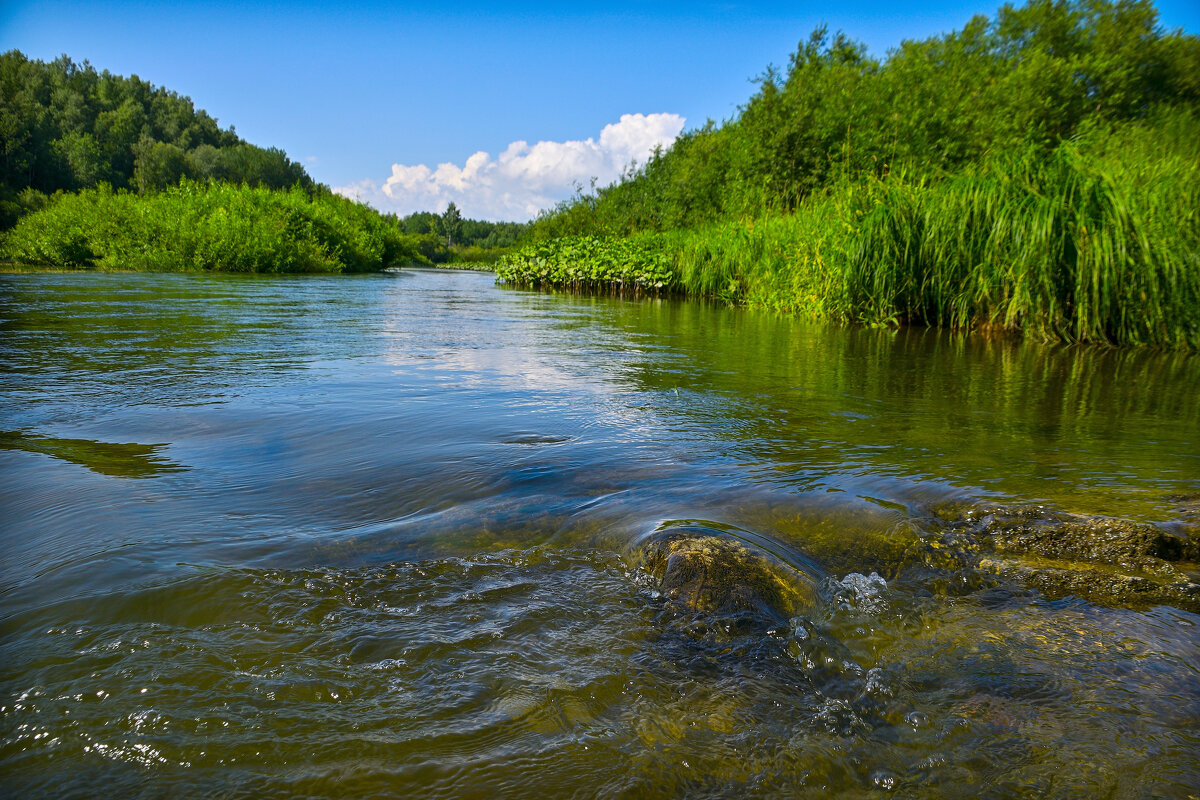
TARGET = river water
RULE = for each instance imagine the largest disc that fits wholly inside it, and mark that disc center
(378, 536)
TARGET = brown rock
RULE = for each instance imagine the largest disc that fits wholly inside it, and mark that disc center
(713, 572)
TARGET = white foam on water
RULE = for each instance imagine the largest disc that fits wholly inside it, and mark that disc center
(861, 592)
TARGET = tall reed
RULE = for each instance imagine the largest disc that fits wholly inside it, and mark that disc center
(1099, 241)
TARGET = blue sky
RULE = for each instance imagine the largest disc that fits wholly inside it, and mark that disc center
(351, 89)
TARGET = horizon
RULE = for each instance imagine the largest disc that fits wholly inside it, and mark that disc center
(503, 112)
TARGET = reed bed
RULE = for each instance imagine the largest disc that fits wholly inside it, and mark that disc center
(1062, 248)
(1097, 241)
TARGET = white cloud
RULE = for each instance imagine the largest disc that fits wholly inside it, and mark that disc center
(525, 178)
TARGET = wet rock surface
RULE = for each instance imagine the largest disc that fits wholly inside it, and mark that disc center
(1108, 561)
(1097, 583)
(714, 573)
(1188, 508)
(1033, 530)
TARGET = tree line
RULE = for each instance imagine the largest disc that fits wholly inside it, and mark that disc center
(449, 237)
(65, 127)
(1037, 172)
(1027, 79)
(75, 141)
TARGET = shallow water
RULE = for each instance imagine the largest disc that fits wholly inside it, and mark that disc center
(365, 536)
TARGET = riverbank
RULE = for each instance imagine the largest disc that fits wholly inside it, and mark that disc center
(1029, 173)
(1084, 245)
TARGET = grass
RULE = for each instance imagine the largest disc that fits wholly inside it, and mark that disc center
(1098, 241)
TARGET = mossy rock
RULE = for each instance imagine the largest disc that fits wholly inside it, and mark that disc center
(720, 571)
(1107, 561)
(1033, 530)
(1099, 584)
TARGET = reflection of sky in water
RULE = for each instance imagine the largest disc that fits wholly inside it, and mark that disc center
(388, 513)
(309, 405)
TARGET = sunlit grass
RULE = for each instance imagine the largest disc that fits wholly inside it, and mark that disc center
(1098, 241)
(208, 226)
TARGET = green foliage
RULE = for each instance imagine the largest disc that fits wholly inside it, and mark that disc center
(1036, 172)
(1098, 242)
(449, 223)
(246, 163)
(157, 165)
(634, 264)
(478, 257)
(209, 226)
(64, 126)
(466, 241)
(487, 235)
(491, 235)
(1029, 78)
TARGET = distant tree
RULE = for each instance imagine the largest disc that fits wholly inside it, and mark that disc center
(84, 158)
(435, 244)
(157, 165)
(118, 130)
(451, 221)
(205, 163)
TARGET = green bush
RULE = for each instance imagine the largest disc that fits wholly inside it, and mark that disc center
(209, 226)
(1032, 76)
(1097, 241)
(635, 264)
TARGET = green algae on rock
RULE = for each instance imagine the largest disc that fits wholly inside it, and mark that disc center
(1108, 561)
(714, 570)
(1098, 583)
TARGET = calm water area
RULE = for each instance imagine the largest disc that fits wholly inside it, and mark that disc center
(378, 536)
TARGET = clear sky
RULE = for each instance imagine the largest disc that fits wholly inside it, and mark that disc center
(373, 97)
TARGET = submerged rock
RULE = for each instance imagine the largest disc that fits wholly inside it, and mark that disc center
(1098, 583)
(1133, 545)
(717, 572)
(1107, 561)
(1188, 507)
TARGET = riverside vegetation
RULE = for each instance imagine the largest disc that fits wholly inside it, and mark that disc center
(211, 226)
(1036, 172)
(221, 227)
(111, 172)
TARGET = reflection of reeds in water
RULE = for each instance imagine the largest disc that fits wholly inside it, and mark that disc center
(106, 458)
(1099, 430)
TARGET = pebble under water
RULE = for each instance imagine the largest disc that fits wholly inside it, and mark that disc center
(384, 536)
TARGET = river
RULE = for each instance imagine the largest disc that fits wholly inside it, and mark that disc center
(382, 536)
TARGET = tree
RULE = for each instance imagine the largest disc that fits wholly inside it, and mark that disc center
(65, 126)
(157, 165)
(84, 158)
(451, 220)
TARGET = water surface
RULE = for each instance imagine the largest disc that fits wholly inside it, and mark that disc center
(362, 536)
